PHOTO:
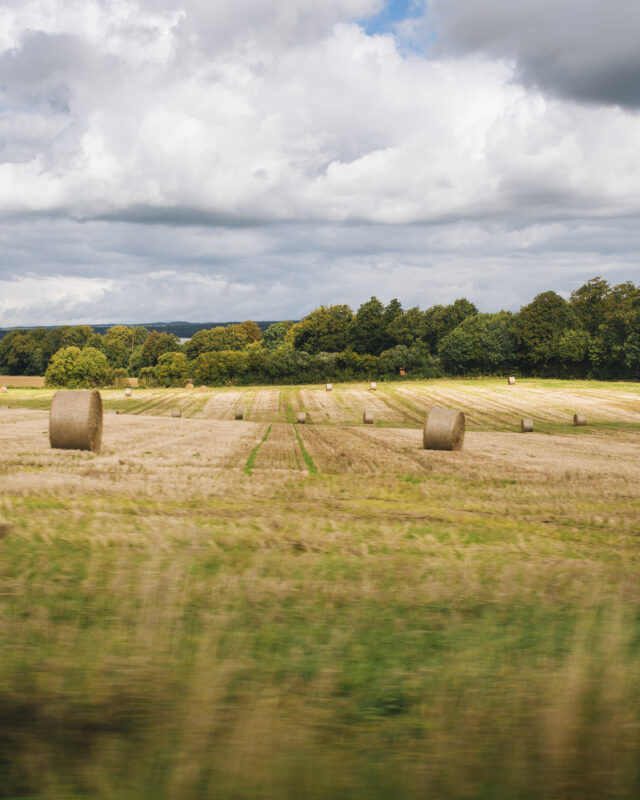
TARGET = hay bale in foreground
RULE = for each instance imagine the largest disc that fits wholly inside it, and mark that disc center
(127, 392)
(444, 429)
(367, 418)
(239, 413)
(189, 387)
(75, 420)
(329, 387)
(579, 420)
(176, 412)
(526, 425)
(373, 386)
(302, 417)
(511, 380)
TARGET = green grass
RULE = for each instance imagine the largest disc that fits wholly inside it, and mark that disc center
(254, 453)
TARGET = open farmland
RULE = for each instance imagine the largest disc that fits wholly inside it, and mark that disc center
(236, 609)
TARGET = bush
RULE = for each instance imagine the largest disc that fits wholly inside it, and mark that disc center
(120, 378)
(74, 368)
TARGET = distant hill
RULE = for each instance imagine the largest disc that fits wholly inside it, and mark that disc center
(183, 330)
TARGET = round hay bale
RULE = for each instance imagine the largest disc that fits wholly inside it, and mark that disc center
(3, 390)
(579, 420)
(511, 380)
(75, 420)
(367, 418)
(302, 417)
(189, 387)
(203, 388)
(176, 412)
(329, 387)
(127, 392)
(444, 429)
(526, 425)
(373, 386)
(239, 413)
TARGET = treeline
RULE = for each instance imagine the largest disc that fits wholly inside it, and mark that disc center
(596, 333)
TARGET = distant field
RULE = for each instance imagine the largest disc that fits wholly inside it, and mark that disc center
(22, 380)
(215, 608)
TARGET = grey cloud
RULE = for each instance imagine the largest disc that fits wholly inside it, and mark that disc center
(585, 50)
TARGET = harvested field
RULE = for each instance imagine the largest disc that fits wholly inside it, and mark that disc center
(22, 381)
(347, 613)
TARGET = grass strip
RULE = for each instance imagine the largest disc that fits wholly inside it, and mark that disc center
(253, 454)
(313, 470)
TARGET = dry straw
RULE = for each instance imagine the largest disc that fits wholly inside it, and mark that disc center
(3, 390)
(239, 413)
(329, 387)
(511, 380)
(127, 392)
(176, 412)
(526, 425)
(189, 386)
(203, 388)
(444, 430)
(373, 386)
(579, 420)
(75, 420)
(367, 418)
(302, 417)
(4, 408)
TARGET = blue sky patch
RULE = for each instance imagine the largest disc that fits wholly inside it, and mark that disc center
(394, 11)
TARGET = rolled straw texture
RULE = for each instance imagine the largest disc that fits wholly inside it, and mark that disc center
(329, 387)
(367, 418)
(511, 380)
(302, 417)
(3, 390)
(75, 420)
(444, 430)
(579, 419)
(526, 425)
(189, 386)
(373, 386)
(203, 388)
(239, 413)
(127, 392)
(176, 412)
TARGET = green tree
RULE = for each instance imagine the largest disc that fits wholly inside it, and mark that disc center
(441, 320)
(73, 368)
(172, 369)
(538, 328)
(275, 334)
(326, 330)
(408, 327)
(155, 345)
(481, 344)
(20, 354)
(368, 332)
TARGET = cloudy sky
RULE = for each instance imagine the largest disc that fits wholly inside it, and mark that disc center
(200, 160)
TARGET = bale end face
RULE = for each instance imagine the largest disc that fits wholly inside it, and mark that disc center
(526, 425)
(189, 387)
(373, 386)
(75, 420)
(579, 420)
(444, 430)
(127, 392)
(367, 418)
(329, 387)
(239, 413)
(302, 417)
(176, 412)
(511, 380)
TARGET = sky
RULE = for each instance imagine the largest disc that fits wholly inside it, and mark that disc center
(188, 160)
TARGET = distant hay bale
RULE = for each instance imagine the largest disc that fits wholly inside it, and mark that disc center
(444, 430)
(367, 418)
(373, 386)
(203, 388)
(302, 417)
(511, 380)
(526, 425)
(189, 387)
(75, 420)
(239, 413)
(127, 392)
(579, 420)
(176, 412)
(329, 387)
(3, 390)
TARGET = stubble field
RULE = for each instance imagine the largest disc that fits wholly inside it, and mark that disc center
(235, 609)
